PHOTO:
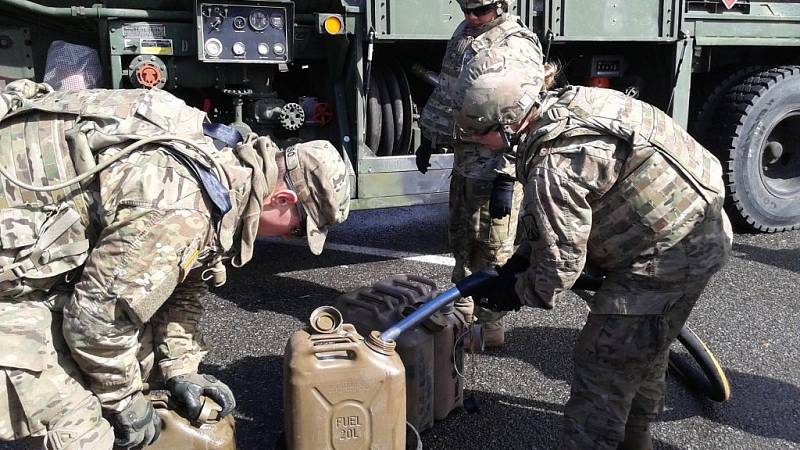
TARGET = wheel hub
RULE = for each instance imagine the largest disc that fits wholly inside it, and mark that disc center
(780, 157)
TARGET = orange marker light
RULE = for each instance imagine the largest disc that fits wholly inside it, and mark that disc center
(333, 25)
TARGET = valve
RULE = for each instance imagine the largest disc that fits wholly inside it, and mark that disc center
(292, 116)
(323, 114)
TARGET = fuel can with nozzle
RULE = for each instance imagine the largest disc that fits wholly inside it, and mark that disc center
(342, 391)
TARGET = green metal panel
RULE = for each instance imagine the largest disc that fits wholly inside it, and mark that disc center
(613, 20)
(392, 176)
(16, 55)
(683, 85)
(414, 19)
(125, 37)
(765, 24)
(423, 19)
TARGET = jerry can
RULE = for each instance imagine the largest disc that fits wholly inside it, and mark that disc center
(416, 350)
(448, 382)
(380, 306)
(208, 432)
(342, 391)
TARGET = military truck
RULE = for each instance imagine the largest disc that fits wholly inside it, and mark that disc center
(356, 72)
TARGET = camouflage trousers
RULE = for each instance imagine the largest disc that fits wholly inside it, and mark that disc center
(476, 239)
(619, 373)
(51, 407)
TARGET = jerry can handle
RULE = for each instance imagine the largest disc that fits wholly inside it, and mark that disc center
(350, 347)
(209, 413)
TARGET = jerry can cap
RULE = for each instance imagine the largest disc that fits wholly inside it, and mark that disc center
(326, 320)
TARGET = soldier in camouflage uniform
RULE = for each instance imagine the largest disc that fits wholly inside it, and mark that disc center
(484, 195)
(124, 256)
(611, 184)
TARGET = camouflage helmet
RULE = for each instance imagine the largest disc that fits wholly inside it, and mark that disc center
(470, 4)
(498, 88)
(318, 175)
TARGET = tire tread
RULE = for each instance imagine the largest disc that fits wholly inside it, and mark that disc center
(733, 111)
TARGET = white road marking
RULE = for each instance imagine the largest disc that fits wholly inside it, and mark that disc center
(441, 260)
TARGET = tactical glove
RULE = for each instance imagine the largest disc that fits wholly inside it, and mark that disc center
(503, 297)
(424, 155)
(502, 197)
(137, 424)
(187, 389)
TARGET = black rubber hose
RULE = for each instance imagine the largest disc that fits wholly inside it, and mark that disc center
(408, 109)
(710, 380)
(397, 106)
(374, 119)
(387, 129)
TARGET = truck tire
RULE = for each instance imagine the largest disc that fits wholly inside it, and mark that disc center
(710, 380)
(707, 115)
(759, 147)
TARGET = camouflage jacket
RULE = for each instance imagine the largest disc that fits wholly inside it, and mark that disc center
(142, 236)
(437, 121)
(614, 182)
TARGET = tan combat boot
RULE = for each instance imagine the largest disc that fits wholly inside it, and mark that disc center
(494, 334)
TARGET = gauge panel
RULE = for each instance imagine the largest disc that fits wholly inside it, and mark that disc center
(259, 32)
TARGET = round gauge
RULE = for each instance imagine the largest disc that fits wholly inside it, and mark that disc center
(259, 20)
(239, 49)
(213, 47)
(239, 22)
(279, 49)
(263, 49)
(277, 21)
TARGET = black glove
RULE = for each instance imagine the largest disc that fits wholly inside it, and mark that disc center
(187, 389)
(424, 154)
(516, 264)
(502, 197)
(503, 297)
(137, 424)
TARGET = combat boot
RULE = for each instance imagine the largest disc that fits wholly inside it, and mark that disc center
(494, 334)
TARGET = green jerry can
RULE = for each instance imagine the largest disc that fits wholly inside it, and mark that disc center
(342, 391)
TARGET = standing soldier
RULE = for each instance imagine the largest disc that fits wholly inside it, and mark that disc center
(116, 210)
(613, 184)
(484, 195)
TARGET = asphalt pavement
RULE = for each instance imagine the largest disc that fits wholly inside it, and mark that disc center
(749, 317)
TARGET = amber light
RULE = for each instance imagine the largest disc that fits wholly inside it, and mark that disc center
(333, 25)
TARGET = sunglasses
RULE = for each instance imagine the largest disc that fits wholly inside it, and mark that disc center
(300, 231)
(479, 11)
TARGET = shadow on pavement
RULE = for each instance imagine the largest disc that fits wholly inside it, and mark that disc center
(270, 293)
(786, 259)
(503, 422)
(257, 383)
(273, 257)
(758, 405)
